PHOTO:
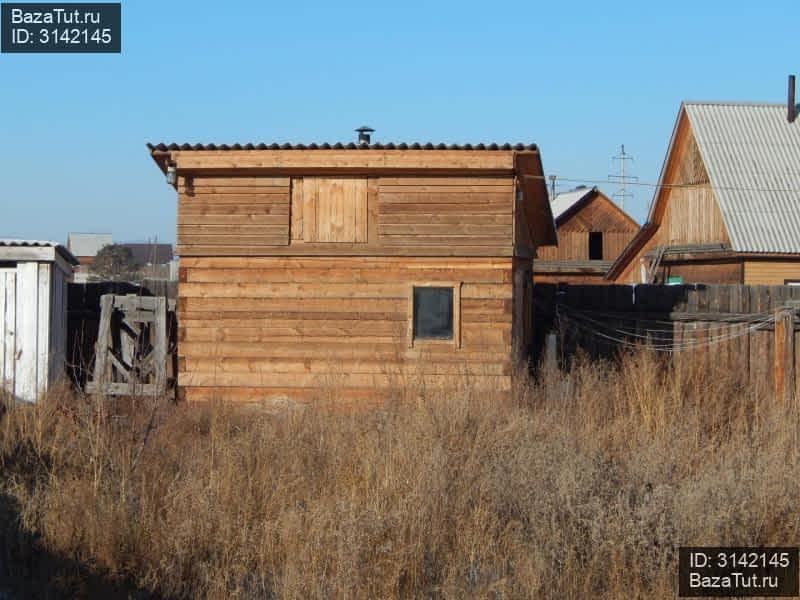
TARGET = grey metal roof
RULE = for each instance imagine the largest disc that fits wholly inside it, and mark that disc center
(13, 242)
(88, 244)
(752, 156)
(566, 200)
(8, 244)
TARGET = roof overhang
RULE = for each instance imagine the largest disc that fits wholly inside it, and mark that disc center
(338, 158)
(536, 202)
(38, 252)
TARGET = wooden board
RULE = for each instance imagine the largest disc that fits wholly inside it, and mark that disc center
(341, 206)
(26, 332)
(299, 322)
(219, 211)
(357, 160)
(8, 294)
(447, 212)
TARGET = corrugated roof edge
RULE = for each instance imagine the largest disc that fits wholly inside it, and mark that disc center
(60, 248)
(730, 103)
(519, 147)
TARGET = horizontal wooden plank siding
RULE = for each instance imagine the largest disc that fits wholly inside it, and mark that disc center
(771, 272)
(444, 211)
(296, 327)
(218, 213)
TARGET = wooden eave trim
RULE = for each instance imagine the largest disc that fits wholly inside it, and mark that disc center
(759, 256)
(639, 240)
(536, 203)
(161, 158)
(568, 270)
(340, 161)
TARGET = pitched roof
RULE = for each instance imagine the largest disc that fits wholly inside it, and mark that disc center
(566, 200)
(164, 147)
(752, 156)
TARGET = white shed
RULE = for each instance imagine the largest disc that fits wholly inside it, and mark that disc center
(33, 315)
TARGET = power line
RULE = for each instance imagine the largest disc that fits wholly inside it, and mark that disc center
(622, 337)
(668, 185)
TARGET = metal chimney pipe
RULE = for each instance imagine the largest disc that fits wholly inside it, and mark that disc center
(364, 133)
(791, 107)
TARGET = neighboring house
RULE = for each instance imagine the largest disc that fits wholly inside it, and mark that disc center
(33, 316)
(727, 209)
(353, 269)
(147, 254)
(154, 261)
(592, 231)
(85, 246)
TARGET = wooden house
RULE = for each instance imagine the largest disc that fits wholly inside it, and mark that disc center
(356, 267)
(33, 316)
(727, 208)
(592, 232)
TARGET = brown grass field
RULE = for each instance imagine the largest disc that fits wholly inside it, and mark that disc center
(582, 487)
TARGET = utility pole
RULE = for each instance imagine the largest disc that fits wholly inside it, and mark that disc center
(552, 179)
(622, 178)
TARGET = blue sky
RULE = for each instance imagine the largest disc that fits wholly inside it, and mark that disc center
(577, 78)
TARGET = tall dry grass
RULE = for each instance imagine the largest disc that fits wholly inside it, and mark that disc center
(583, 486)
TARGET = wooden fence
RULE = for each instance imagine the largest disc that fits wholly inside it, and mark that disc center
(754, 330)
(83, 320)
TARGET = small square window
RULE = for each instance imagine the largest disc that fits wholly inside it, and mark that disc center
(433, 313)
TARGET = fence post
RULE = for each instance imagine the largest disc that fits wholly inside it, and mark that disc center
(784, 354)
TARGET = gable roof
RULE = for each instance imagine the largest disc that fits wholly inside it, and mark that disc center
(566, 200)
(752, 156)
(566, 204)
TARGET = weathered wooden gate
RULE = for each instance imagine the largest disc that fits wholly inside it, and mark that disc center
(132, 346)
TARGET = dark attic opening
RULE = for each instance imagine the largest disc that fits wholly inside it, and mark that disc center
(595, 245)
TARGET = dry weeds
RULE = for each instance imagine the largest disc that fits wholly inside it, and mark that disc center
(582, 487)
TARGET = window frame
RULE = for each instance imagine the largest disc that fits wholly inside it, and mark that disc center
(455, 341)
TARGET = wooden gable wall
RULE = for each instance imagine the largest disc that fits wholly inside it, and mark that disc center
(686, 210)
(599, 214)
